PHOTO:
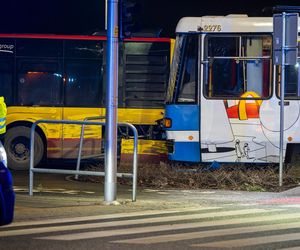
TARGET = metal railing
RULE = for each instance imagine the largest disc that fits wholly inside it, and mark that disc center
(81, 140)
(33, 170)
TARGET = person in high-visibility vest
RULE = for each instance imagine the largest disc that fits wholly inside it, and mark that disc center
(3, 112)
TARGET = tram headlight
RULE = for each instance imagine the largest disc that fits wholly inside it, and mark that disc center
(167, 122)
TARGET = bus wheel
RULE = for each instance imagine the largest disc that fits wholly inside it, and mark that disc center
(17, 146)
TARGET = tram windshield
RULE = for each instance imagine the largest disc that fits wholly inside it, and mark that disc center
(183, 75)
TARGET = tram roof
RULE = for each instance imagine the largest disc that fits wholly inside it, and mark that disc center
(230, 23)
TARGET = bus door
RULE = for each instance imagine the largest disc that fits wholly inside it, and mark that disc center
(83, 95)
(236, 83)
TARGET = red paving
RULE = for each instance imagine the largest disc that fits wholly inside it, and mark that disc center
(293, 200)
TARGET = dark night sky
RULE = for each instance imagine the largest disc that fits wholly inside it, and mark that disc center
(80, 17)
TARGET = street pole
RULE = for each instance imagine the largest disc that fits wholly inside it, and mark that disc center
(282, 83)
(285, 51)
(110, 184)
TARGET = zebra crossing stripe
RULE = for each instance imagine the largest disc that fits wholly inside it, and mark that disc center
(99, 234)
(291, 248)
(210, 233)
(135, 221)
(248, 242)
(291, 206)
(105, 216)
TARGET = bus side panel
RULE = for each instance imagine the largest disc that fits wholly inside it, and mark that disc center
(149, 149)
(92, 143)
(138, 116)
(52, 132)
(183, 135)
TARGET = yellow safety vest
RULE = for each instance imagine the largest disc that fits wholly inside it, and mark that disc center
(3, 112)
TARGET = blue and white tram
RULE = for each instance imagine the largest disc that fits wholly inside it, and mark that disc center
(223, 97)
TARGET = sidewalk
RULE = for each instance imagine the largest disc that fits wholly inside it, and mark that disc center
(57, 196)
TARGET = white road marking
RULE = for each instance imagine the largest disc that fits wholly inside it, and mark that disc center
(211, 233)
(291, 206)
(135, 221)
(99, 234)
(291, 248)
(105, 216)
(247, 242)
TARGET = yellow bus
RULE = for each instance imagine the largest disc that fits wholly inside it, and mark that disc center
(63, 77)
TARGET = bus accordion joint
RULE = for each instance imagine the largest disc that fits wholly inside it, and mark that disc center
(167, 122)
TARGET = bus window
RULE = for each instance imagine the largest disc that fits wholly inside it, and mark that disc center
(84, 73)
(83, 49)
(39, 82)
(6, 73)
(7, 53)
(7, 47)
(39, 48)
(83, 83)
(236, 65)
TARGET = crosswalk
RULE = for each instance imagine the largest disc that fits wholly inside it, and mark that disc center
(215, 227)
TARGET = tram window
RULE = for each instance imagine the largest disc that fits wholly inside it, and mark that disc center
(225, 46)
(237, 65)
(83, 83)
(174, 70)
(39, 83)
(292, 80)
(292, 86)
(187, 84)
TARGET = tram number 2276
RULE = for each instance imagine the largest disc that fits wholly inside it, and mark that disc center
(212, 28)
